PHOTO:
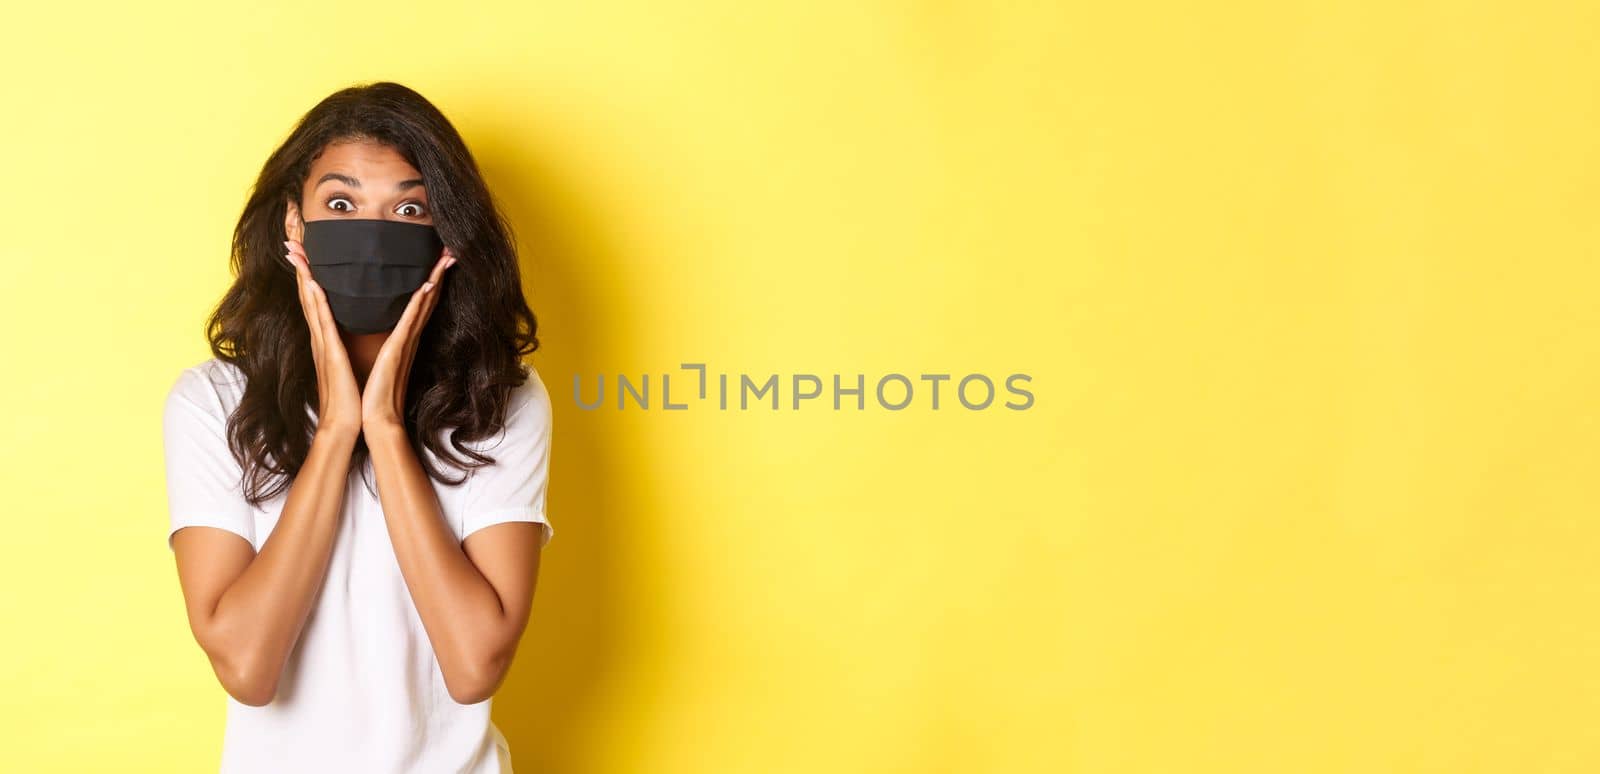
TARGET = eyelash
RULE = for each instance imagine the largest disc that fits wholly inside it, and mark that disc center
(332, 199)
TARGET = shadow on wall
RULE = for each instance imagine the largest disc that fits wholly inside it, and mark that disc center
(572, 638)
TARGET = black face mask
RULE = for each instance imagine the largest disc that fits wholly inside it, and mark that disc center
(369, 268)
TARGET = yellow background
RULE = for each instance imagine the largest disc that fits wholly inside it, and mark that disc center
(1307, 292)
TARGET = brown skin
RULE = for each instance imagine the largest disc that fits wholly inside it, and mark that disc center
(474, 597)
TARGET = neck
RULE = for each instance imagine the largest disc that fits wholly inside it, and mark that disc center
(363, 350)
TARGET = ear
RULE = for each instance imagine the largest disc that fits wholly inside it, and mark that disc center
(293, 225)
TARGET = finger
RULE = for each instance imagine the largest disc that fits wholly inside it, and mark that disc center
(411, 324)
(421, 324)
(308, 304)
(296, 255)
(319, 317)
(330, 331)
(392, 353)
(416, 313)
(431, 302)
(439, 269)
(407, 326)
(445, 261)
(299, 275)
(391, 369)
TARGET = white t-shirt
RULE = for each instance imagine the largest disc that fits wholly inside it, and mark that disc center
(362, 690)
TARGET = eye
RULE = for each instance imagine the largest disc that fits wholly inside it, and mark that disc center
(348, 208)
(418, 212)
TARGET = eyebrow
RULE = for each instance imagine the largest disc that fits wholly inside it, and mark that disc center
(354, 183)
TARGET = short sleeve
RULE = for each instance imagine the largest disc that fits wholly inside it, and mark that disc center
(513, 487)
(203, 479)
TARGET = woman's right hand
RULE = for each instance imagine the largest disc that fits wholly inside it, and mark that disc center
(338, 395)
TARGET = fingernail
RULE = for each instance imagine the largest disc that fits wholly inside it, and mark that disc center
(450, 262)
(287, 246)
(427, 287)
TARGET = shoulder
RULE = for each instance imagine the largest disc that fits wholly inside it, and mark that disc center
(527, 413)
(213, 384)
(530, 396)
(528, 410)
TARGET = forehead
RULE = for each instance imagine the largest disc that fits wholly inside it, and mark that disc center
(362, 159)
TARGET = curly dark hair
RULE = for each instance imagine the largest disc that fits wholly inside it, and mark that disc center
(469, 356)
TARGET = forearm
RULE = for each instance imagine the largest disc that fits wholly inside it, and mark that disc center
(467, 623)
(260, 616)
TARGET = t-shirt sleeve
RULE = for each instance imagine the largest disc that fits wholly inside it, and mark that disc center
(513, 487)
(204, 481)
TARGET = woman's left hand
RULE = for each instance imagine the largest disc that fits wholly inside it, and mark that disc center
(383, 399)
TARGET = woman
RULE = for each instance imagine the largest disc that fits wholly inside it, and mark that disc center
(356, 479)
